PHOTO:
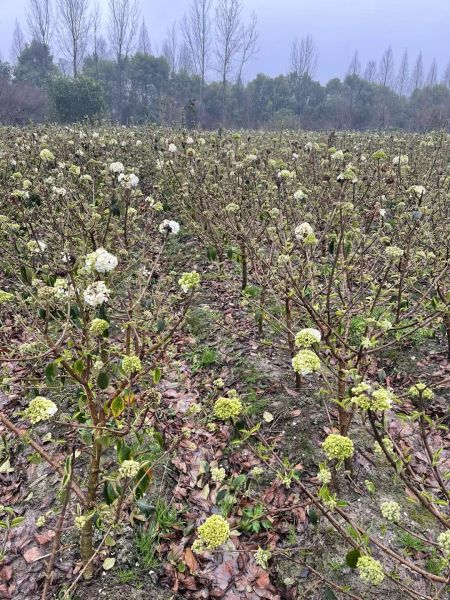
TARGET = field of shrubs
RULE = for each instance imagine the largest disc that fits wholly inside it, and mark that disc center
(225, 364)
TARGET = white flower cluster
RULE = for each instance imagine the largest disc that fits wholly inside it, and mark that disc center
(394, 252)
(300, 195)
(116, 167)
(96, 294)
(307, 337)
(101, 261)
(400, 160)
(36, 247)
(128, 181)
(129, 469)
(170, 227)
(40, 409)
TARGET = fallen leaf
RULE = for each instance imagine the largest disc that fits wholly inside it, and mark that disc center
(44, 537)
(32, 554)
(190, 560)
(108, 563)
(268, 417)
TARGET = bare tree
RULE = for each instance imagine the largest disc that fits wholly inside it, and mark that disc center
(304, 56)
(229, 35)
(184, 59)
(96, 26)
(40, 21)
(432, 77)
(370, 72)
(122, 28)
(417, 74)
(446, 76)
(18, 42)
(196, 29)
(143, 45)
(386, 68)
(170, 48)
(403, 75)
(249, 40)
(74, 28)
(354, 67)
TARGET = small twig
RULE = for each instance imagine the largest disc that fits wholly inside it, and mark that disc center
(58, 531)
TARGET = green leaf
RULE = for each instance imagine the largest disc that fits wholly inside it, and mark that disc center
(352, 558)
(145, 507)
(67, 471)
(78, 366)
(160, 325)
(144, 481)
(117, 406)
(109, 493)
(109, 563)
(17, 521)
(123, 451)
(211, 253)
(50, 372)
(329, 594)
(157, 436)
(156, 375)
(313, 517)
(102, 380)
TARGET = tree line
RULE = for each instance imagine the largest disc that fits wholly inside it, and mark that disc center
(75, 62)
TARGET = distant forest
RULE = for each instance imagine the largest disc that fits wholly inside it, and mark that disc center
(75, 63)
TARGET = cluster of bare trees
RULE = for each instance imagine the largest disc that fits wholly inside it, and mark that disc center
(213, 36)
(404, 80)
(72, 28)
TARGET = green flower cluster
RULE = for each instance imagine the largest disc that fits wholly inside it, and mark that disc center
(324, 474)
(129, 469)
(370, 570)
(368, 398)
(420, 390)
(359, 395)
(390, 511)
(444, 542)
(338, 447)
(379, 155)
(228, 408)
(218, 474)
(6, 297)
(381, 400)
(214, 532)
(393, 252)
(40, 409)
(307, 337)
(189, 281)
(131, 364)
(98, 326)
(46, 155)
(262, 557)
(306, 362)
(378, 450)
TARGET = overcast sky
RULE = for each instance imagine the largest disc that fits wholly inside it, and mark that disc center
(338, 27)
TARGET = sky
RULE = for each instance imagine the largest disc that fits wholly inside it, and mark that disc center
(338, 27)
